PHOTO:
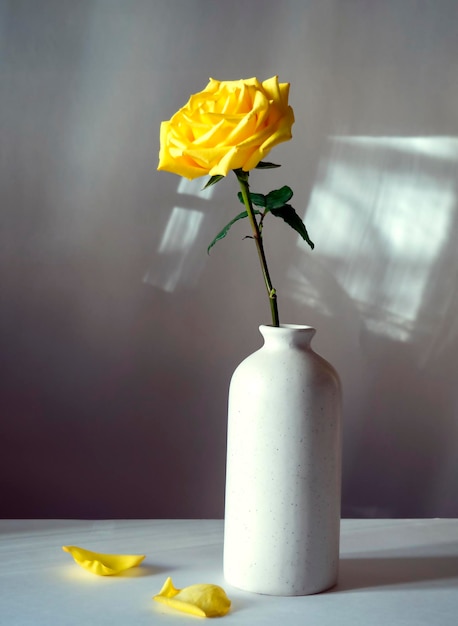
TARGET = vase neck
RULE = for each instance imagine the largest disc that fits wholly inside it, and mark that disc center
(292, 335)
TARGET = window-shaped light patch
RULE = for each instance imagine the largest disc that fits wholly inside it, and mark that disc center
(195, 188)
(171, 265)
(380, 215)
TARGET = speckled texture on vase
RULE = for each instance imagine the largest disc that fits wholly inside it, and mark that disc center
(283, 482)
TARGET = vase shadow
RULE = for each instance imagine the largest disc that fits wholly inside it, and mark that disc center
(369, 572)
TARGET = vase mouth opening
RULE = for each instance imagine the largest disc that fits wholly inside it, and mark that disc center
(292, 334)
(298, 327)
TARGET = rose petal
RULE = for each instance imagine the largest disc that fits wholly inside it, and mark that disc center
(103, 564)
(204, 600)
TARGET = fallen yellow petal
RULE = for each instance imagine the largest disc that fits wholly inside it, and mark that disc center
(203, 600)
(103, 564)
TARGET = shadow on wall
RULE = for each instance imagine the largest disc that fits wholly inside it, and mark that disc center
(390, 203)
(391, 207)
(105, 380)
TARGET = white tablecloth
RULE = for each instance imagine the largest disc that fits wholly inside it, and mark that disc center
(393, 572)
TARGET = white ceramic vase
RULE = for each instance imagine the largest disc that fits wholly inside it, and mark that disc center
(283, 481)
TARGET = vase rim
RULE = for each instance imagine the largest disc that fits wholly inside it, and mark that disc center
(298, 327)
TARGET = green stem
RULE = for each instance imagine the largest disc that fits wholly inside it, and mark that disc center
(242, 177)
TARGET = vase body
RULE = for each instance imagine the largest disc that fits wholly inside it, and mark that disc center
(283, 479)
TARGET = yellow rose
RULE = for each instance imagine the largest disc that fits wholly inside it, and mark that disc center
(229, 125)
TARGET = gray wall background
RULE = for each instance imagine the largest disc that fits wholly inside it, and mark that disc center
(119, 335)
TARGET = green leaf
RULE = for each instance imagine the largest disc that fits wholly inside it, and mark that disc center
(265, 165)
(278, 197)
(259, 199)
(226, 229)
(212, 181)
(274, 199)
(289, 215)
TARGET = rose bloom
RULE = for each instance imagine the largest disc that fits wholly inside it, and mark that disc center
(227, 126)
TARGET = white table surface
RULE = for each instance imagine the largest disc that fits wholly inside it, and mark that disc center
(392, 572)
